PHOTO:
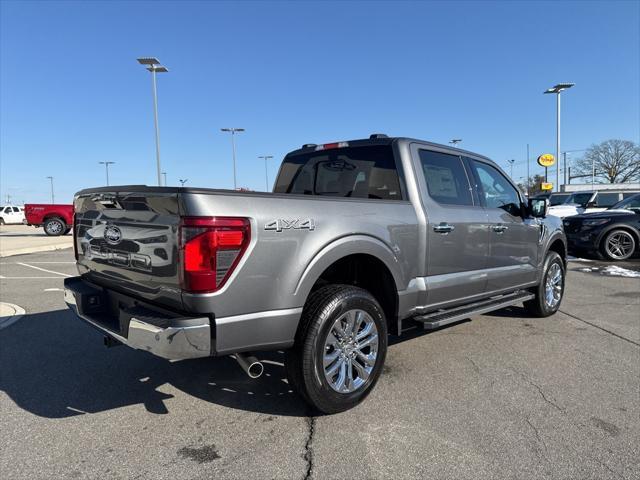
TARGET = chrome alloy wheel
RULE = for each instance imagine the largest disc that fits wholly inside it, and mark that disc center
(350, 351)
(553, 285)
(619, 245)
(54, 227)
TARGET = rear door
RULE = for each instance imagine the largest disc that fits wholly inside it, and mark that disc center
(513, 239)
(128, 241)
(457, 237)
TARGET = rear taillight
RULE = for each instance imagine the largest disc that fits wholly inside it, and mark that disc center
(211, 249)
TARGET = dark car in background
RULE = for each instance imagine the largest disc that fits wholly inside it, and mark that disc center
(554, 198)
(614, 233)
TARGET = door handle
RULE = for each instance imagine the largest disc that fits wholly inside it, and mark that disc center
(499, 228)
(443, 228)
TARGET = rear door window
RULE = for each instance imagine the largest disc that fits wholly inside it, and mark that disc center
(607, 200)
(357, 172)
(446, 178)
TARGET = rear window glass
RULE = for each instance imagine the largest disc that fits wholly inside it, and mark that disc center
(357, 172)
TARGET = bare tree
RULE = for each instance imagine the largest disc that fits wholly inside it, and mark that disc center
(535, 185)
(615, 161)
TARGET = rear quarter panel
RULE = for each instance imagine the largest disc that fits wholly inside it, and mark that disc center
(281, 265)
(36, 213)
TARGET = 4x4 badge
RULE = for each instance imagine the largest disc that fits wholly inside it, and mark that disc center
(283, 224)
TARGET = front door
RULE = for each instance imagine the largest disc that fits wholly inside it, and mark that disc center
(457, 235)
(513, 253)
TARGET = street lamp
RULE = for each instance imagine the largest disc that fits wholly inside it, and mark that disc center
(233, 146)
(182, 182)
(455, 141)
(153, 65)
(165, 178)
(266, 172)
(106, 166)
(557, 89)
(52, 197)
(511, 162)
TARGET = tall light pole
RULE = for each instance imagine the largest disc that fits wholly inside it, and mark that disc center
(53, 200)
(528, 192)
(233, 146)
(266, 171)
(106, 166)
(154, 66)
(557, 89)
(164, 174)
(455, 141)
(511, 162)
(182, 182)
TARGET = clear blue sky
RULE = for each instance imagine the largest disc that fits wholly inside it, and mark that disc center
(290, 73)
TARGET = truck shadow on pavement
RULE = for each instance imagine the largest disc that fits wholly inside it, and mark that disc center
(54, 366)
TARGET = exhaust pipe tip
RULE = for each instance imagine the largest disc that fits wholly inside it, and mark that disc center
(250, 364)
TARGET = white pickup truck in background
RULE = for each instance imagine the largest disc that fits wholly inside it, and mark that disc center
(589, 202)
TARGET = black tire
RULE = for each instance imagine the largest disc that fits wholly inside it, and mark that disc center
(66, 230)
(539, 306)
(304, 362)
(626, 245)
(54, 226)
(1, 221)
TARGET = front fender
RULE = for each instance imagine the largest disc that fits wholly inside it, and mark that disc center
(343, 247)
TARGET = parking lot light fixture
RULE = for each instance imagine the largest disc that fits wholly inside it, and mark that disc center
(455, 141)
(233, 132)
(266, 171)
(557, 89)
(511, 162)
(153, 65)
(106, 166)
(53, 200)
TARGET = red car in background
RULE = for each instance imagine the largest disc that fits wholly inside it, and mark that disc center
(55, 219)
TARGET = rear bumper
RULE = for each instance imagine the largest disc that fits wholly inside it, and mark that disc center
(161, 333)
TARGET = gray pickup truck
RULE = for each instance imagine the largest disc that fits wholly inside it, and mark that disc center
(359, 240)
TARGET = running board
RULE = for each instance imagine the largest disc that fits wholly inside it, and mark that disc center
(441, 318)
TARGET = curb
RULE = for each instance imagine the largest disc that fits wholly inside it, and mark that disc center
(44, 248)
(15, 313)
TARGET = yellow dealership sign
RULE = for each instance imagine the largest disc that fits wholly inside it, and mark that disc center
(546, 186)
(546, 160)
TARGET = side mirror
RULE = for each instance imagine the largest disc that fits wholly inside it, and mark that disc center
(538, 207)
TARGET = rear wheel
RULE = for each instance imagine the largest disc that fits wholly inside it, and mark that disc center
(548, 295)
(1, 221)
(618, 245)
(340, 348)
(54, 226)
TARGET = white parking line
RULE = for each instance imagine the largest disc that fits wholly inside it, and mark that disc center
(54, 290)
(43, 269)
(26, 278)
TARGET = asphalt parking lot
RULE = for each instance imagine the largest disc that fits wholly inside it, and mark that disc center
(500, 396)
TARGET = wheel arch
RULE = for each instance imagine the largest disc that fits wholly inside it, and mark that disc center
(357, 260)
(618, 226)
(50, 215)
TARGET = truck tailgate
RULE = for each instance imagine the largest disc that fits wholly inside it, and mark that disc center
(128, 241)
